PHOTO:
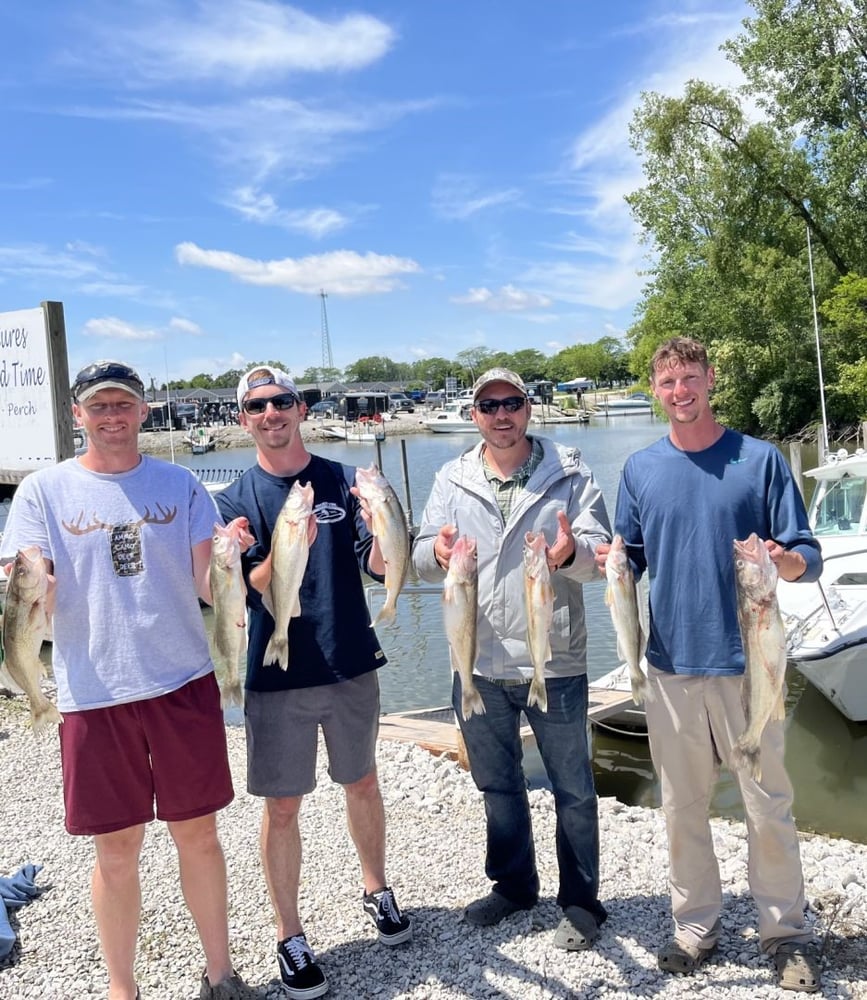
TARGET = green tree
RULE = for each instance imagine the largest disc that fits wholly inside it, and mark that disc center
(372, 369)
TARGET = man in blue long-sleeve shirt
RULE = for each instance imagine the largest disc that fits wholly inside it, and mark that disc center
(680, 504)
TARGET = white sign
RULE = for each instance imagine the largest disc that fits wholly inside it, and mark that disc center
(32, 427)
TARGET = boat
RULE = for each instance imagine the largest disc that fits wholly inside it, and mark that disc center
(355, 433)
(638, 402)
(554, 415)
(826, 621)
(200, 440)
(215, 480)
(453, 418)
(615, 689)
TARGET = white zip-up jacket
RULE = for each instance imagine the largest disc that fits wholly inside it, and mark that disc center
(462, 496)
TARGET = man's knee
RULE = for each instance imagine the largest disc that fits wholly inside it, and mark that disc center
(365, 788)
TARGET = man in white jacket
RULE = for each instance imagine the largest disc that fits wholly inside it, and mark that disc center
(496, 492)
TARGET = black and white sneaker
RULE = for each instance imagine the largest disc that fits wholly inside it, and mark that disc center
(382, 908)
(302, 977)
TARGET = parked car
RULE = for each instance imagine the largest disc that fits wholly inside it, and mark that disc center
(326, 408)
(399, 402)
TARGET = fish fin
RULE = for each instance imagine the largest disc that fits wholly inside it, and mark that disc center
(268, 601)
(231, 695)
(277, 651)
(779, 712)
(538, 694)
(745, 757)
(639, 683)
(386, 615)
(43, 715)
(471, 701)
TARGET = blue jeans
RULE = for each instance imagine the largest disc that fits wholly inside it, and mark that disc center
(494, 750)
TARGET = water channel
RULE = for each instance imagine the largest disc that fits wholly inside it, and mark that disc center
(826, 754)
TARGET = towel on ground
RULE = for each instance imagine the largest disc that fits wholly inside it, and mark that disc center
(15, 891)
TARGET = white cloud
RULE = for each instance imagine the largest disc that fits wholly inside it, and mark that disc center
(459, 197)
(237, 41)
(267, 136)
(180, 325)
(507, 298)
(112, 328)
(112, 288)
(37, 261)
(261, 207)
(342, 272)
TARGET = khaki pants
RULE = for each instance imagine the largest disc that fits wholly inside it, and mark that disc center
(693, 721)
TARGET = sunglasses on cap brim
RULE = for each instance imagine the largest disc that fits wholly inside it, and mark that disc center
(104, 372)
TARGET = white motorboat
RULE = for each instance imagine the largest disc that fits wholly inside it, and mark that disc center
(826, 621)
(638, 402)
(200, 440)
(355, 433)
(453, 418)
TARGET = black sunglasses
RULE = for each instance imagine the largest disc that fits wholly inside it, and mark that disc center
(105, 371)
(511, 404)
(282, 401)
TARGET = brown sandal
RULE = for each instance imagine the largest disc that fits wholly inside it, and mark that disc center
(682, 958)
(797, 967)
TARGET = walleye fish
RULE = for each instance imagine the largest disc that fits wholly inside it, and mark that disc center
(25, 621)
(764, 641)
(539, 604)
(228, 593)
(621, 596)
(460, 608)
(289, 549)
(388, 523)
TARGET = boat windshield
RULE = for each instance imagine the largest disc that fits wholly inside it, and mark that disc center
(838, 506)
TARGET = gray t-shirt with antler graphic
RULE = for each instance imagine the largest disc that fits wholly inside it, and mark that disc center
(127, 621)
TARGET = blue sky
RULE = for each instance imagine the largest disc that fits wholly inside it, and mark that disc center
(186, 177)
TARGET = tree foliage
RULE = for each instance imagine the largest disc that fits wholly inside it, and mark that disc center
(729, 197)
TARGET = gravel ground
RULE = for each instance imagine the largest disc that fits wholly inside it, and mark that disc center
(436, 865)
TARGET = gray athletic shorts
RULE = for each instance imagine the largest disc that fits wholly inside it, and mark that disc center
(282, 735)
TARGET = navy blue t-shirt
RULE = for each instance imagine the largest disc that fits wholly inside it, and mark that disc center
(332, 640)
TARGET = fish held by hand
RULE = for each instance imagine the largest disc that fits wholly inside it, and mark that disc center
(539, 606)
(460, 613)
(388, 524)
(764, 640)
(289, 551)
(25, 623)
(228, 592)
(621, 596)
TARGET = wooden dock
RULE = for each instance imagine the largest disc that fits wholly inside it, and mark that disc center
(436, 729)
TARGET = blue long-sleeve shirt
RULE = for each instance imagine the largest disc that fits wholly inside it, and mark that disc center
(679, 512)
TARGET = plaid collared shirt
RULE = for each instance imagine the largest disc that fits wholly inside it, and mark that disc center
(506, 490)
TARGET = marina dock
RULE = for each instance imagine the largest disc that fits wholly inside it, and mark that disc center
(436, 729)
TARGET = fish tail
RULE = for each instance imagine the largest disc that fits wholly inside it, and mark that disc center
(386, 612)
(538, 694)
(43, 715)
(639, 684)
(471, 700)
(277, 651)
(745, 757)
(231, 695)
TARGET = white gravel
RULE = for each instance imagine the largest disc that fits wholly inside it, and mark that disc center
(436, 852)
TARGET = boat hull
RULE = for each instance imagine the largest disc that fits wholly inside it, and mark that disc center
(841, 677)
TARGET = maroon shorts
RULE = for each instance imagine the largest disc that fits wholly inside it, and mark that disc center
(118, 760)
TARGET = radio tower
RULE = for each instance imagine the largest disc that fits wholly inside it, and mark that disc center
(327, 360)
